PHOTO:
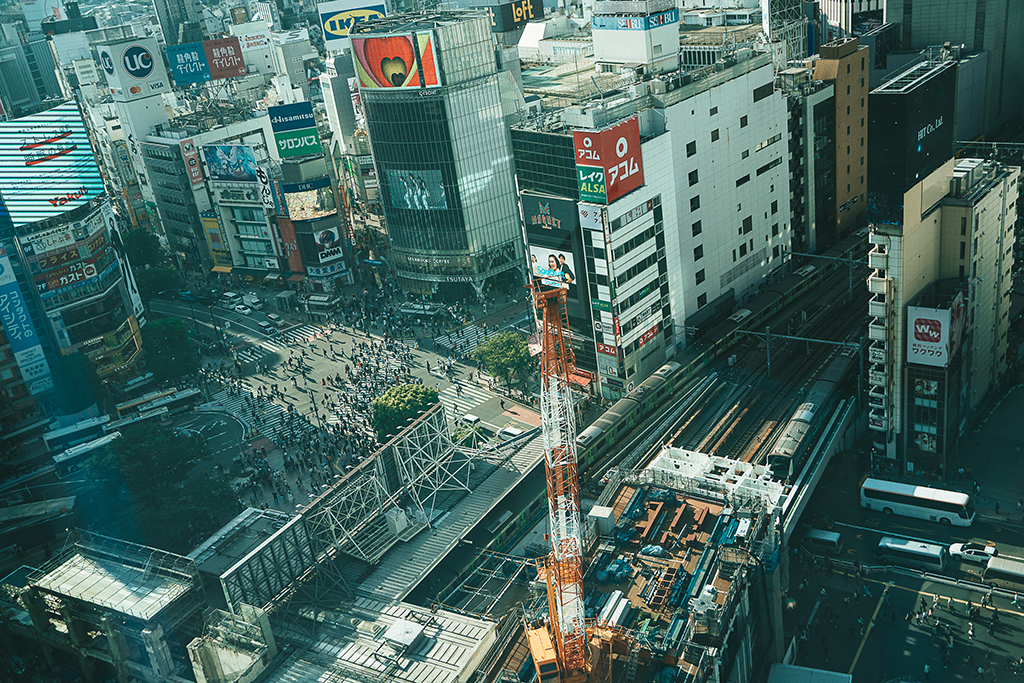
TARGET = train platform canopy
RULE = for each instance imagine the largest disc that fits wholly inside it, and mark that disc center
(685, 470)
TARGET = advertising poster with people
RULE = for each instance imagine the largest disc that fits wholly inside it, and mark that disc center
(417, 190)
(551, 242)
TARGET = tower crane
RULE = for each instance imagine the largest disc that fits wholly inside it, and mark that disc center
(563, 567)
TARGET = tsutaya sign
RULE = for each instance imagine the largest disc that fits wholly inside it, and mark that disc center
(608, 162)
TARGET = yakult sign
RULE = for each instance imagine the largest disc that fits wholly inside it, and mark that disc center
(608, 162)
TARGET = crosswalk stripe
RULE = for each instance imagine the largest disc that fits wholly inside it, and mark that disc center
(271, 426)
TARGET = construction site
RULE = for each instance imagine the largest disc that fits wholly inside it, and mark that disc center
(673, 571)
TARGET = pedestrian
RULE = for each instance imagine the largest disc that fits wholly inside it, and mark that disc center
(970, 630)
(503, 408)
(949, 603)
(927, 672)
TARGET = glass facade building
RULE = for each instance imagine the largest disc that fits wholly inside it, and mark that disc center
(444, 159)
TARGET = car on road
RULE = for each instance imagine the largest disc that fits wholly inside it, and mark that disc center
(243, 309)
(275, 320)
(186, 295)
(973, 552)
(267, 329)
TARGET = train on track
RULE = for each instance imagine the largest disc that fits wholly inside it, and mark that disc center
(787, 456)
(600, 438)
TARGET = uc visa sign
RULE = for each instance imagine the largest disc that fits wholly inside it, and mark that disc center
(608, 161)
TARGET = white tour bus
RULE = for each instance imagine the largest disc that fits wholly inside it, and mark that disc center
(1005, 572)
(937, 505)
(907, 553)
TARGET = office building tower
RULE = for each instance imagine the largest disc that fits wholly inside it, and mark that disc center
(181, 21)
(438, 114)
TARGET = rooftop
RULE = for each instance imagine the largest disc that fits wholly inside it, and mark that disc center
(914, 76)
(237, 539)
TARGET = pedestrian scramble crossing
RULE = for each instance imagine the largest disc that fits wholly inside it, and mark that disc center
(460, 405)
(280, 343)
(465, 339)
(268, 416)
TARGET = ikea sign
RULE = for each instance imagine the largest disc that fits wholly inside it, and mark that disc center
(339, 16)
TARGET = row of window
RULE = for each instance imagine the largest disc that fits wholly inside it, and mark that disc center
(636, 241)
(635, 270)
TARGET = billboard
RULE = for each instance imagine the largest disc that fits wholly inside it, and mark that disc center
(646, 23)
(127, 276)
(418, 190)
(512, 15)
(191, 158)
(209, 60)
(231, 162)
(396, 61)
(215, 238)
(339, 16)
(134, 69)
(254, 40)
(551, 242)
(239, 15)
(608, 163)
(21, 333)
(309, 201)
(266, 193)
(46, 165)
(290, 245)
(928, 336)
(294, 127)
(328, 242)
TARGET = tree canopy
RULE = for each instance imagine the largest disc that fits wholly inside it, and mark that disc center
(169, 354)
(76, 383)
(505, 355)
(393, 408)
(152, 281)
(151, 465)
(143, 249)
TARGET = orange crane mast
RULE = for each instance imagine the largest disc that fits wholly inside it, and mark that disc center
(564, 565)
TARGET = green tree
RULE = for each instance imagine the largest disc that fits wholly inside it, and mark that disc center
(143, 249)
(76, 383)
(393, 408)
(505, 355)
(151, 458)
(152, 281)
(169, 353)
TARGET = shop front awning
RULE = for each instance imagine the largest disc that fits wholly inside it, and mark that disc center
(579, 380)
(272, 276)
(296, 277)
(221, 269)
(248, 272)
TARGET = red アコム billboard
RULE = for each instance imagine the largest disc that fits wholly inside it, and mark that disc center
(616, 151)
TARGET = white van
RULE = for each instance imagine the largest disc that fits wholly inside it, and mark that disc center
(471, 420)
(824, 542)
(230, 299)
(253, 302)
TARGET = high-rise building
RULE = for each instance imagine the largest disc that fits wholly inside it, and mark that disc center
(64, 251)
(939, 312)
(181, 21)
(845, 64)
(438, 112)
(682, 204)
(843, 15)
(994, 26)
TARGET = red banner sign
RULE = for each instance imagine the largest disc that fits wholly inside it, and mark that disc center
(224, 56)
(606, 349)
(617, 151)
(649, 335)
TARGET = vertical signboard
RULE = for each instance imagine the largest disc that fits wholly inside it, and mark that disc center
(266, 193)
(21, 333)
(608, 162)
(122, 256)
(134, 69)
(291, 245)
(294, 129)
(215, 238)
(191, 158)
(928, 336)
(339, 16)
(551, 242)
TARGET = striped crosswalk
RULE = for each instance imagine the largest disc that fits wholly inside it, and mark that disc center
(267, 418)
(279, 343)
(459, 404)
(465, 339)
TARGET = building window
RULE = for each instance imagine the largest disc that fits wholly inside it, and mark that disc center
(963, 226)
(847, 68)
(775, 206)
(763, 91)
(714, 135)
(698, 252)
(775, 252)
(744, 154)
(693, 177)
(743, 250)
(714, 110)
(847, 130)
(743, 181)
(743, 122)
(734, 256)
(963, 250)
(775, 229)
(748, 224)
(847, 110)
(696, 228)
(961, 271)
(691, 148)
(702, 301)
(700, 276)
(694, 203)
(847, 90)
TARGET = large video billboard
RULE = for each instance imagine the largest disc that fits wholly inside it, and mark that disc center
(46, 165)
(419, 190)
(396, 61)
(339, 16)
(310, 200)
(928, 335)
(134, 69)
(231, 162)
(608, 163)
(21, 333)
(294, 127)
(551, 242)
